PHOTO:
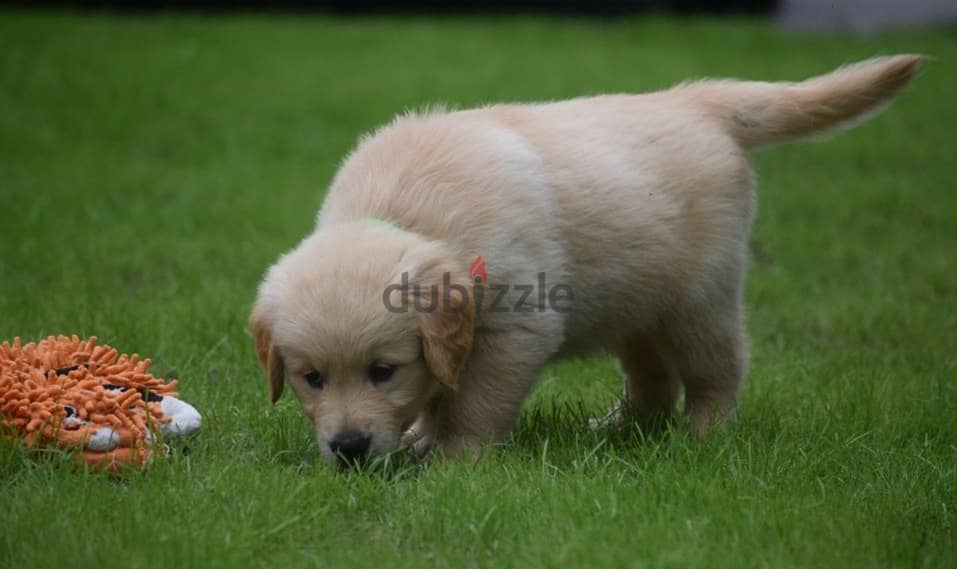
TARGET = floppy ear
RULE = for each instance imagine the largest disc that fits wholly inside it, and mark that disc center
(447, 324)
(269, 359)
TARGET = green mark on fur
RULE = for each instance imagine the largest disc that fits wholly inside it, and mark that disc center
(376, 222)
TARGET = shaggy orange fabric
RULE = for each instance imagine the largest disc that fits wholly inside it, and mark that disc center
(58, 391)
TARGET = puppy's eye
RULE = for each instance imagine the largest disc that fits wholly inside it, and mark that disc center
(380, 373)
(315, 379)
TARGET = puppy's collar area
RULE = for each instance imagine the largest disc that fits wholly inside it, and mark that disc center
(378, 222)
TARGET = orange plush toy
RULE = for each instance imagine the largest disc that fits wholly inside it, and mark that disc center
(72, 393)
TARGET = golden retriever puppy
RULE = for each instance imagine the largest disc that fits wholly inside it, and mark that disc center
(459, 252)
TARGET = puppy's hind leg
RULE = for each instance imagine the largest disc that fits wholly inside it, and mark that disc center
(711, 356)
(651, 383)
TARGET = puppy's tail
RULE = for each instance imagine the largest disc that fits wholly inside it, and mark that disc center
(757, 113)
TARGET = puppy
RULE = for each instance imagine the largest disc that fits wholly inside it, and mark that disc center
(459, 252)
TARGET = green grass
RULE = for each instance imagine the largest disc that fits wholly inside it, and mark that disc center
(151, 168)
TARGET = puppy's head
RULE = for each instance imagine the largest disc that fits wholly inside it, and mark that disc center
(366, 325)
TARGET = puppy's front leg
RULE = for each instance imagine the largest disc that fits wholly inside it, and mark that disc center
(493, 385)
(420, 437)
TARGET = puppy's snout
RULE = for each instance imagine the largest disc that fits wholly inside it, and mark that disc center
(351, 445)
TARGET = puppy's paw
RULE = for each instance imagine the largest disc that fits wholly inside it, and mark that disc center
(461, 448)
(419, 439)
(615, 418)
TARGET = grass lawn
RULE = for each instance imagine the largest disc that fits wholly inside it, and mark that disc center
(152, 167)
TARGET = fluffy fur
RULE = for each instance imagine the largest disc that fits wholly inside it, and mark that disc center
(641, 204)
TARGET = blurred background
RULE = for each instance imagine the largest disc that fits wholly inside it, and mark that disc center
(860, 16)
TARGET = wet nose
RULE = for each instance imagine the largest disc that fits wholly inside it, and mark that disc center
(351, 445)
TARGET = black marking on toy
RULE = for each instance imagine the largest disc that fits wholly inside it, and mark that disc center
(147, 395)
(150, 397)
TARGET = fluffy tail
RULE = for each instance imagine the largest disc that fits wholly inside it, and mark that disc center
(757, 113)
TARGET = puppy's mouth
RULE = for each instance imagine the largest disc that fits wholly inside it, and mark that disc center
(345, 464)
(348, 453)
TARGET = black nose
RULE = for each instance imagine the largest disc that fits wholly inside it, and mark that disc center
(351, 445)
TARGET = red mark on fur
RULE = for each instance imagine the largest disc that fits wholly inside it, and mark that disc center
(477, 270)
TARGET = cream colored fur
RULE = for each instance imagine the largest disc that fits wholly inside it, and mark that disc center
(642, 204)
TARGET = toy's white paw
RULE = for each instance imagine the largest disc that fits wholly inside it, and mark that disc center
(185, 419)
(103, 439)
